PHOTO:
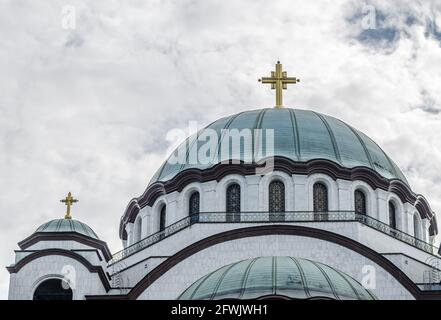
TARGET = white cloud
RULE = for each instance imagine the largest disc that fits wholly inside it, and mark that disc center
(87, 110)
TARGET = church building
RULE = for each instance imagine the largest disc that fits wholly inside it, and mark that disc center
(272, 203)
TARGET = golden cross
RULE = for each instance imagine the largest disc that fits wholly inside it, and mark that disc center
(279, 80)
(68, 201)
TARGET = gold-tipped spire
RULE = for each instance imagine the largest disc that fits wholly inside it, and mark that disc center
(279, 80)
(68, 201)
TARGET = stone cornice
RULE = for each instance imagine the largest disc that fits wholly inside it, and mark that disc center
(66, 236)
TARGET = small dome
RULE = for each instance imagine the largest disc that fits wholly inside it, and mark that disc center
(290, 277)
(299, 135)
(67, 225)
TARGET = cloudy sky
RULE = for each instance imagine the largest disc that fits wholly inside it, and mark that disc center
(86, 104)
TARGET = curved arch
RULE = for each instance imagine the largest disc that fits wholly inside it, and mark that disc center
(45, 277)
(221, 191)
(233, 199)
(138, 229)
(65, 253)
(54, 281)
(360, 201)
(392, 214)
(276, 200)
(194, 206)
(332, 190)
(371, 197)
(320, 197)
(395, 203)
(186, 193)
(264, 184)
(235, 234)
(156, 212)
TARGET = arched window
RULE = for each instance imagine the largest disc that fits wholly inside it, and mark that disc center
(416, 227)
(53, 289)
(392, 215)
(360, 202)
(138, 229)
(320, 201)
(162, 218)
(193, 206)
(276, 201)
(233, 203)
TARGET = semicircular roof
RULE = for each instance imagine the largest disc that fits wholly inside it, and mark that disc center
(300, 135)
(67, 225)
(290, 277)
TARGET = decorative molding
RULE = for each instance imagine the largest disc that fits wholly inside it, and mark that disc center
(66, 236)
(283, 164)
(66, 253)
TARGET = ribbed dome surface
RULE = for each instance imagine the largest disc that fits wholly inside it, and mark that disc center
(276, 276)
(300, 135)
(67, 225)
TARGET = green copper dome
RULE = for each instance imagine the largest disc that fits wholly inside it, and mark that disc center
(299, 135)
(67, 225)
(287, 277)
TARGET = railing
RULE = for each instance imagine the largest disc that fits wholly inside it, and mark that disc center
(429, 286)
(270, 217)
(290, 216)
(397, 234)
(150, 240)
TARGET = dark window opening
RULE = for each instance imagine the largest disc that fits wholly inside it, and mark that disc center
(276, 201)
(53, 289)
(233, 203)
(193, 207)
(320, 201)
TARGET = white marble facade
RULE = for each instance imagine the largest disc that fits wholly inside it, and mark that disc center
(254, 190)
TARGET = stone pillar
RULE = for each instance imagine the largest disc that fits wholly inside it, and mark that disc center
(252, 196)
(208, 197)
(425, 236)
(129, 230)
(172, 209)
(407, 221)
(301, 193)
(145, 215)
(344, 196)
(383, 206)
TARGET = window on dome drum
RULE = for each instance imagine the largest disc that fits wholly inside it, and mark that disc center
(162, 219)
(193, 206)
(360, 202)
(320, 201)
(392, 216)
(53, 289)
(276, 201)
(233, 203)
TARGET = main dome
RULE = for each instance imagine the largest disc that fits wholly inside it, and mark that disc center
(295, 278)
(300, 135)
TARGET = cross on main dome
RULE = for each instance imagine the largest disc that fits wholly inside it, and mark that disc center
(279, 81)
